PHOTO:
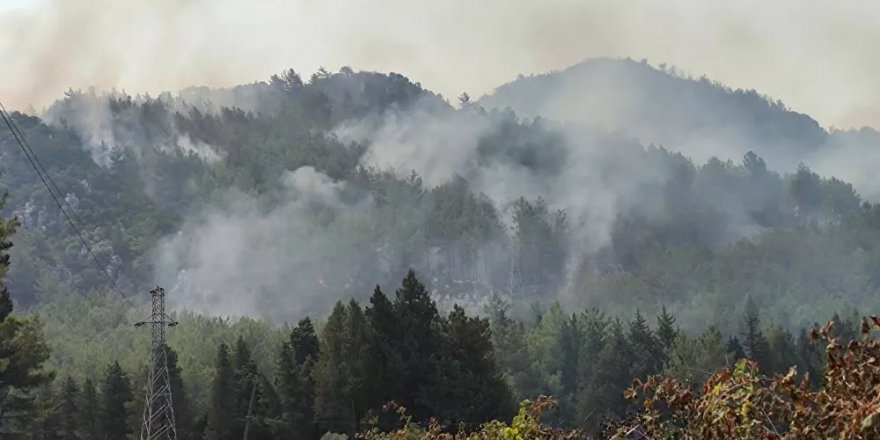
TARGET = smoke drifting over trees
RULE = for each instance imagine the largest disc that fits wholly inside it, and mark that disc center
(613, 183)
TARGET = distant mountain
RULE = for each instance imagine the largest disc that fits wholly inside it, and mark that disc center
(699, 117)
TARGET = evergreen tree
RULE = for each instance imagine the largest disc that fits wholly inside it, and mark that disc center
(304, 341)
(68, 410)
(693, 359)
(811, 355)
(508, 341)
(334, 409)
(7, 228)
(569, 342)
(418, 329)
(245, 383)
(468, 372)
(783, 353)
(296, 387)
(756, 346)
(183, 412)
(22, 350)
(647, 347)
(735, 348)
(116, 396)
(47, 425)
(90, 413)
(357, 345)
(222, 411)
(602, 395)
(666, 329)
(382, 361)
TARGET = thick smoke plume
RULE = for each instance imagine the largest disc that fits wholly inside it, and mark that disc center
(241, 257)
(782, 48)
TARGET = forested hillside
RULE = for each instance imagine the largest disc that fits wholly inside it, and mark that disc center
(698, 116)
(540, 253)
(353, 178)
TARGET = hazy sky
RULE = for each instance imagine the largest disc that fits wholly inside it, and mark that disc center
(819, 57)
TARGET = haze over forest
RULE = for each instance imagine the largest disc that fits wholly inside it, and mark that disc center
(576, 186)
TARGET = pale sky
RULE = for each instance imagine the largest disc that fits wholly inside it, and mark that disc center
(819, 57)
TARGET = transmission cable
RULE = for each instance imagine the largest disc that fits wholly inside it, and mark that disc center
(52, 188)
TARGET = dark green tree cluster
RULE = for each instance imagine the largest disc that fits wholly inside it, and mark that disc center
(22, 352)
(398, 351)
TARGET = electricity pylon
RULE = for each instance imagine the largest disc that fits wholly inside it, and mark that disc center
(158, 407)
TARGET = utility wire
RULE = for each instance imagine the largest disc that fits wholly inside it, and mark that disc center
(40, 164)
(58, 198)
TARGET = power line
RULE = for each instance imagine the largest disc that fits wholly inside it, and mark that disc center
(52, 188)
(40, 164)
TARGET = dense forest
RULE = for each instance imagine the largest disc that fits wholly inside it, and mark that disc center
(540, 254)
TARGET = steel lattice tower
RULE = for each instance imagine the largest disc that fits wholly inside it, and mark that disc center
(158, 407)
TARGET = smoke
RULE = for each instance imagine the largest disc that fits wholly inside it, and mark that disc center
(700, 118)
(244, 257)
(104, 131)
(809, 53)
(436, 145)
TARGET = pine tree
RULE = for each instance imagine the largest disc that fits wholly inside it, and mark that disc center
(602, 395)
(811, 355)
(296, 387)
(468, 372)
(116, 395)
(183, 413)
(666, 329)
(7, 228)
(334, 411)
(244, 382)
(735, 348)
(304, 341)
(221, 413)
(693, 359)
(782, 351)
(22, 350)
(47, 425)
(68, 410)
(90, 413)
(383, 365)
(508, 341)
(418, 321)
(358, 346)
(569, 341)
(756, 346)
(646, 346)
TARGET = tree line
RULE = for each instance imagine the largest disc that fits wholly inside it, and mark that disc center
(458, 370)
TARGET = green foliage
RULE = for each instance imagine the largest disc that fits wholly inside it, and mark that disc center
(295, 382)
(90, 414)
(221, 412)
(68, 410)
(23, 351)
(115, 404)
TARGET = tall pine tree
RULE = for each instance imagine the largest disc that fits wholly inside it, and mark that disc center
(221, 413)
(116, 396)
(383, 364)
(295, 385)
(183, 412)
(68, 410)
(22, 350)
(757, 348)
(418, 326)
(334, 394)
(90, 412)
(470, 387)
(648, 348)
